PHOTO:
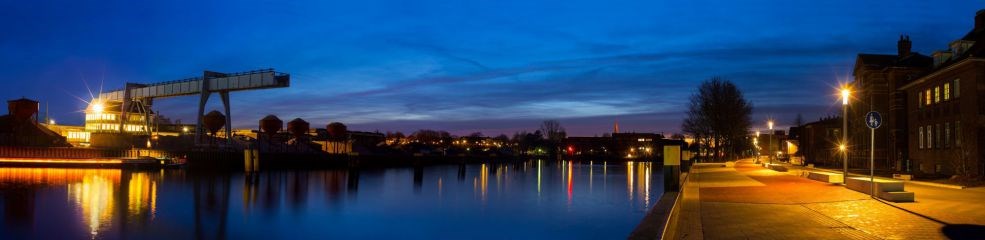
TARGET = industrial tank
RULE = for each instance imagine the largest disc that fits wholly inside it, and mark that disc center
(298, 127)
(271, 124)
(336, 130)
(214, 121)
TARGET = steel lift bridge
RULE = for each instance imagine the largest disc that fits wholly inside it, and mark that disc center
(141, 96)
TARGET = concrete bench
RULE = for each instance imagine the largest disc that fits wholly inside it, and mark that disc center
(777, 167)
(900, 196)
(827, 177)
(890, 190)
(906, 177)
(730, 164)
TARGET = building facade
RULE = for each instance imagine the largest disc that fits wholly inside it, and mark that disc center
(819, 142)
(945, 110)
(875, 88)
(618, 145)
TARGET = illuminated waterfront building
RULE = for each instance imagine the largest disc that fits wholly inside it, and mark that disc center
(102, 116)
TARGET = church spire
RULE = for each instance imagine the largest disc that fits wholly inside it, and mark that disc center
(615, 128)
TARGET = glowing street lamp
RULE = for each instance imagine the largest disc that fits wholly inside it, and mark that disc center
(51, 121)
(97, 107)
(769, 123)
(845, 95)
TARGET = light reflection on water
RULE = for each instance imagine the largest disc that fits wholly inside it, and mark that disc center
(527, 200)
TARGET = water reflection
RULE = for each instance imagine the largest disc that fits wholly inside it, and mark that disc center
(534, 199)
(94, 195)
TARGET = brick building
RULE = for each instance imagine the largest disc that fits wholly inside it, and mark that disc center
(819, 142)
(945, 111)
(875, 88)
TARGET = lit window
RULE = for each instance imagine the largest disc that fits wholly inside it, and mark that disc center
(927, 97)
(937, 94)
(947, 91)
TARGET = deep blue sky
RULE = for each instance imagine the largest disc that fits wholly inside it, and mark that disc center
(463, 66)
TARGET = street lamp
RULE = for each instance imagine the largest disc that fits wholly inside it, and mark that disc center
(845, 94)
(770, 149)
(97, 106)
(757, 146)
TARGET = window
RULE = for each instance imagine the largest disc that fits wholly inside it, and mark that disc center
(927, 97)
(957, 88)
(937, 94)
(947, 91)
(930, 137)
(920, 139)
(937, 135)
(947, 135)
(920, 99)
(957, 133)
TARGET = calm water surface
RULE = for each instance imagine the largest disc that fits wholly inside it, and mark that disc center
(531, 200)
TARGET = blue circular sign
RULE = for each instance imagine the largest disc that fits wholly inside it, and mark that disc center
(873, 119)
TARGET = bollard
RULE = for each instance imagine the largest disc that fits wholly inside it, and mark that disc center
(672, 168)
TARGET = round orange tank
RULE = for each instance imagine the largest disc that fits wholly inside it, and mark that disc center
(298, 127)
(336, 130)
(214, 121)
(271, 124)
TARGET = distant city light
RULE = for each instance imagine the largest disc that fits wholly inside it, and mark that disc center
(51, 121)
(184, 129)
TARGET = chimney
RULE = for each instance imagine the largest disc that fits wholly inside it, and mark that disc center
(903, 46)
(980, 20)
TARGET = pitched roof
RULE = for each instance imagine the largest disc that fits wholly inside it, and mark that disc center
(876, 60)
(880, 61)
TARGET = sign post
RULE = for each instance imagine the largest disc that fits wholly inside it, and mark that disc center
(672, 168)
(873, 120)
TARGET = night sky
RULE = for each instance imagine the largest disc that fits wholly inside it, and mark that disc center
(489, 66)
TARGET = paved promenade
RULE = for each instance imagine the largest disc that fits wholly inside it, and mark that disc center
(954, 206)
(750, 202)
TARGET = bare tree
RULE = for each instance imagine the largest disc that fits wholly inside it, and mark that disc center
(553, 131)
(554, 134)
(426, 136)
(719, 117)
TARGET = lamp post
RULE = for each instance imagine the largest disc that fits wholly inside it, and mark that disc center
(770, 149)
(757, 147)
(845, 93)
